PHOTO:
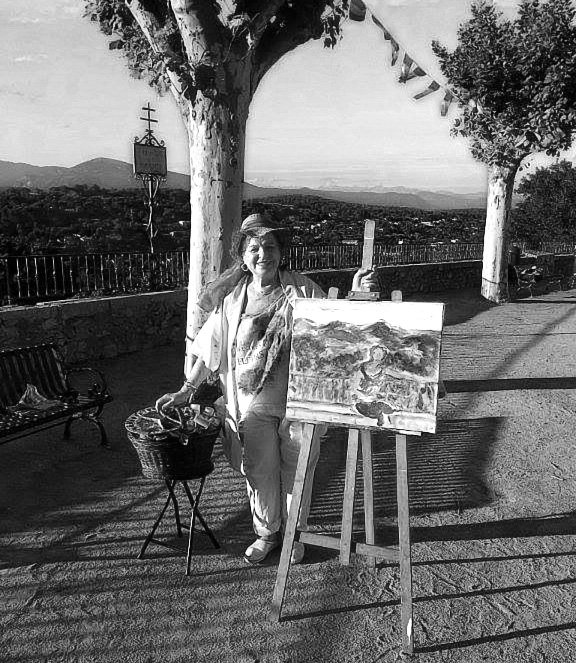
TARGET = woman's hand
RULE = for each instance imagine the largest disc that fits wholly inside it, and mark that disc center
(365, 280)
(172, 400)
(180, 397)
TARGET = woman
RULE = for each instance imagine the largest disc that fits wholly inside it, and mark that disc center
(246, 340)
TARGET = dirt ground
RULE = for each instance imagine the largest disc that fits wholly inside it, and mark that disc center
(493, 526)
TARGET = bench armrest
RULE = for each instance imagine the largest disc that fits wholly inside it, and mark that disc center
(99, 386)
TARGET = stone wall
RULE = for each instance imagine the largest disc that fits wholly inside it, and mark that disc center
(99, 328)
(88, 329)
(411, 279)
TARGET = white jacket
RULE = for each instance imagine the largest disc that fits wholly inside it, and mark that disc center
(214, 344)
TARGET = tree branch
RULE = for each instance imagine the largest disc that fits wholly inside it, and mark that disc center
(276, 42)
(262, 15)
(199, 26)
(157, 37)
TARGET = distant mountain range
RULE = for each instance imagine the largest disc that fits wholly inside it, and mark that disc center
(114, 174)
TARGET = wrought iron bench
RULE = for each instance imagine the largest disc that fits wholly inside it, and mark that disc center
(65, 393)
(519, 279)
(534, 279)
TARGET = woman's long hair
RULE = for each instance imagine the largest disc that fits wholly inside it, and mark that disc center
(214, 292)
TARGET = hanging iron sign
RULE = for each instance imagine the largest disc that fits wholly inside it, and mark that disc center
(150, 159)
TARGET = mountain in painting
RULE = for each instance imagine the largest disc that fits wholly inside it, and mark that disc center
(336, 344)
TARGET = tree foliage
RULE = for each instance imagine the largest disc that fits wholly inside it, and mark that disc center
(547, 211)
(515, 79)
(263, 30)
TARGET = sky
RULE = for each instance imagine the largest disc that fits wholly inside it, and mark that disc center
(320, 117)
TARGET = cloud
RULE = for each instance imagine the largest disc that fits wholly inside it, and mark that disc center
(30, 58)
(24, 19)
(414, 3)
(73, 11)
(408, 3)
(13, 91)
(43, 11)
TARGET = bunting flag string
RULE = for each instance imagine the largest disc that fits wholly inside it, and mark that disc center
(433, 87)
(448, 99)
(407, 73)
(409, 68)
(388, 37)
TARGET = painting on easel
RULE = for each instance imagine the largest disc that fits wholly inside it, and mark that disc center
(365, 364)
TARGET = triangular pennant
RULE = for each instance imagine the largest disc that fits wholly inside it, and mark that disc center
(410, 69)
(407, 73)
(406, 64)
(433, 87)
(417, 71)
(448, 98)
(357, 10)
(388, 37)
(474, 103)
(395, 50)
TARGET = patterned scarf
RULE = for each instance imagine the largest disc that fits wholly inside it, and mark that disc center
(276, 341)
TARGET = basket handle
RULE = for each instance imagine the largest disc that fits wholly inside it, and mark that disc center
(180, 421)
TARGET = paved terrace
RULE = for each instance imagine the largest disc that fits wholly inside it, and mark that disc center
(494, 527)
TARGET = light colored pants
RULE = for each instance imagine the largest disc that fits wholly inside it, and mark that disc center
(271, 448)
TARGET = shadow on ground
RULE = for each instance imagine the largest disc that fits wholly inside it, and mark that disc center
(494, 531)
(447, 471)
(461, 305)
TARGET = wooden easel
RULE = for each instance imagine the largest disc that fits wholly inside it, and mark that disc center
(344, 544)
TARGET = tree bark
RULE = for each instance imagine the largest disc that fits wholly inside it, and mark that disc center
(214, 62)
(495, 256)
(216, 136)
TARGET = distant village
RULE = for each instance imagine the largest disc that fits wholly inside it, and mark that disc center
(87, 219)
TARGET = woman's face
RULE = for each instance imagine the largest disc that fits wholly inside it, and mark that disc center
(378, 353)
(262, 256)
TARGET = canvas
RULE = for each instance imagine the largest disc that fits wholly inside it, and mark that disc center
(365, 364)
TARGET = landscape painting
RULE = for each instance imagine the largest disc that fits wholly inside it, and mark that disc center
(365, 364)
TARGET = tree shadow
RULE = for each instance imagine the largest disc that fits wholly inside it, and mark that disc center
(551, 525)
(496, 637)
(460, 305)
(543, 301)
(446, 472)
(508, 384)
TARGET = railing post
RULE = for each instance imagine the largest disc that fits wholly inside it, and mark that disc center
(7, 279)
(86, 273)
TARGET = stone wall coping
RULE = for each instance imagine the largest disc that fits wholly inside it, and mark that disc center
(92, 300)
(394, 266)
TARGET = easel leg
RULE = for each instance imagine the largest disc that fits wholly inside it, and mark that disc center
(366, 440)
(349, 492)
(404, 540)
(300, 480)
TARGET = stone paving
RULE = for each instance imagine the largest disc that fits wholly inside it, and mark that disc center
(492, 500)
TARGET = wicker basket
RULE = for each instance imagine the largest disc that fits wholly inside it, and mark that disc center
(171, 454)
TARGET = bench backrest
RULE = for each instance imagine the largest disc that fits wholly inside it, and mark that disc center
(39, 365)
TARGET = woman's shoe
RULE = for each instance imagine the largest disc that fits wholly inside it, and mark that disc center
(260, 549)
(298, 551)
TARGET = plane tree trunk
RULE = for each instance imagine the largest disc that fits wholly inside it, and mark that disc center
(216, 137)
(212, 56)
(496, 233)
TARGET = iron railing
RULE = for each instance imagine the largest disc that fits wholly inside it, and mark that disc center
(558, 249)
(37, 278)
(342, 256)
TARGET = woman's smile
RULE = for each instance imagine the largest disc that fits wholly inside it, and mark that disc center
(262, 256)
